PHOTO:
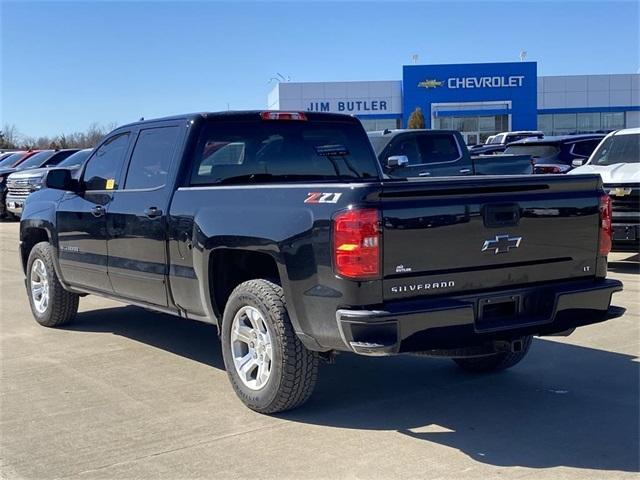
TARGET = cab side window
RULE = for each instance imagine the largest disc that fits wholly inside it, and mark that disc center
(151, 158)
(105, 165)
(438, 148)
(409, 148)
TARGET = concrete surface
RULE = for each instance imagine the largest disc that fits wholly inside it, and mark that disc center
(126, 393)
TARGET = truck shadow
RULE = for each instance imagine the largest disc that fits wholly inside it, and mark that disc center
(564, 405)
(624, 267)
(194, 340)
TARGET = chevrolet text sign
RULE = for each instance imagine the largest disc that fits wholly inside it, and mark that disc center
(485, 82)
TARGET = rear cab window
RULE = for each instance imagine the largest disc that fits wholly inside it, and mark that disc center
(251, 152)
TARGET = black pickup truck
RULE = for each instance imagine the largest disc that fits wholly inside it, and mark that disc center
(439, 153)
(280, 228)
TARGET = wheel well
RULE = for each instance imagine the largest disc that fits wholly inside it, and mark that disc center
(30, 238)
(229, 268)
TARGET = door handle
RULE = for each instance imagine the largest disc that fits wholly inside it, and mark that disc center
(465, 170)
(424, 174)
(153, 212)
(97, 211)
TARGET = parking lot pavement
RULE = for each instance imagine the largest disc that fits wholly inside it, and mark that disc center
(127, 393)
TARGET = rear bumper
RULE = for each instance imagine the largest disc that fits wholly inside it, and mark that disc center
(463, 322)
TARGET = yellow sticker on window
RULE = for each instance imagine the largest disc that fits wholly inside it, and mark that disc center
(110, 184)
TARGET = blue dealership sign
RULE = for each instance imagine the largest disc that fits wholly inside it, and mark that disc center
(511, 84)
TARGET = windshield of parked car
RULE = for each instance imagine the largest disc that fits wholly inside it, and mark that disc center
(11, 159)
(75, 160)
(540, 153)
(497, 139)
(617, 149)
(276, 151)
(36, 160)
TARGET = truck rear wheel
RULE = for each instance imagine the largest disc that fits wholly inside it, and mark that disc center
(51, 304)
(495, 362)
(269, 368)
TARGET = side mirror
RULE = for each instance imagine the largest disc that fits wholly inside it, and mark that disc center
(577, 163)
(60, 179)
(395, 161)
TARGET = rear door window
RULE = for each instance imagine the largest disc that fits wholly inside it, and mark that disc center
(276, 151)
(151, 158)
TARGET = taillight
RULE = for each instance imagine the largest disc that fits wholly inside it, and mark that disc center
(300, 116)
(356, 243)
(606, 229)
(547, 169)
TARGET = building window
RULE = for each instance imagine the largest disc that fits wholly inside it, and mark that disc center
(613, 120)
(545, 123)
(380, 124)
(591, 122)
(474, 129)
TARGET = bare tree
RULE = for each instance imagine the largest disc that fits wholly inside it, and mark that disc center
(11, 138)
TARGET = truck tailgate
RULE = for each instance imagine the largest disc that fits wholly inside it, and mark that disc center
(464, 234)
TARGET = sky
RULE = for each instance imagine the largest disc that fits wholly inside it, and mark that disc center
(65, 65)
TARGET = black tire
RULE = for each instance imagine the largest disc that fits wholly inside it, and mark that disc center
(293, 368)
(496, 362)
(62, 305)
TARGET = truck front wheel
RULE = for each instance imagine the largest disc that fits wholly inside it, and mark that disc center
(269, 368)
(495, 362)
(51, 304)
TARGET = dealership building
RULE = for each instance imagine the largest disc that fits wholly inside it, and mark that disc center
(478, 100)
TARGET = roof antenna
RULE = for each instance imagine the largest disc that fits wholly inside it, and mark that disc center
(141, 119)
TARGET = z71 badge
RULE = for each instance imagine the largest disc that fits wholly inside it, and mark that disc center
(320, 197)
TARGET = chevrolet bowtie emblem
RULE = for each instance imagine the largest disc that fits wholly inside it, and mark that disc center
(620, 191)
(501, 244)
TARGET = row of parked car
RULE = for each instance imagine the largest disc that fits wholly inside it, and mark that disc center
(23, 172)
(551, 154)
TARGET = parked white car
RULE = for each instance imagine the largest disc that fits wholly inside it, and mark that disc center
(617, 160)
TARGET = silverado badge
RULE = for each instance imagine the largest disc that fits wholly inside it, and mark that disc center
(501, 244)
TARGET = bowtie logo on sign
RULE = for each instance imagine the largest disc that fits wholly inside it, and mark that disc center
(430, 84)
